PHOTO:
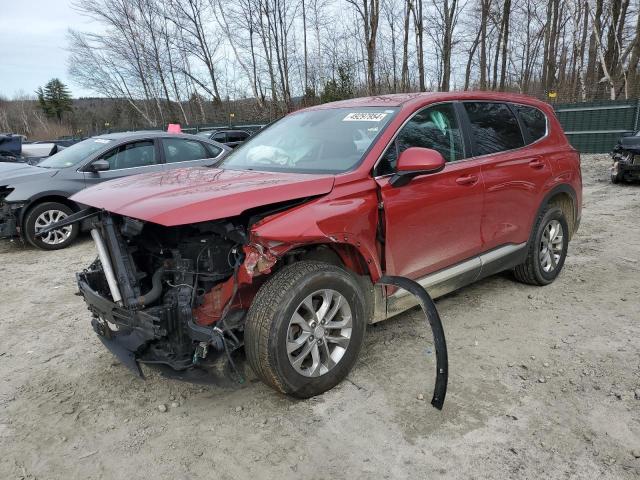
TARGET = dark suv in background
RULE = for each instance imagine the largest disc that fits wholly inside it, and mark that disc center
(34, 197)
(230, 138)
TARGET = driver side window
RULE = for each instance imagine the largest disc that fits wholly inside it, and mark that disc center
(434, 127)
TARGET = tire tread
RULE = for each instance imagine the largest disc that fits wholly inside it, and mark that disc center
(525, 272)
(262, 314)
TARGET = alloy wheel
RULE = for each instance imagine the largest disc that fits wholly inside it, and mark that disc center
(551, 246)
(48, 218)
(319, 333)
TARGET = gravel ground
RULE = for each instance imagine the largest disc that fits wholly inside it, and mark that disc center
(544, 382)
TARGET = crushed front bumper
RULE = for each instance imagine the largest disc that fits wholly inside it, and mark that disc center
(8, 221)
(124, 332)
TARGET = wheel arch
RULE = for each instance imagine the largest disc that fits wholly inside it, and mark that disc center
(564, 197)
(44, 198)
(349, 257)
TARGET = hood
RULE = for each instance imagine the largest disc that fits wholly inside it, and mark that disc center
(192, 195)
(630, 143)
(13, 173)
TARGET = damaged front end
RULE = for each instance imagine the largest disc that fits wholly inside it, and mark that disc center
(8, 215)
(626, 160)
(175, 296)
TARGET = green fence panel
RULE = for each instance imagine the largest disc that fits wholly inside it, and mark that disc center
(595, 127)
(591, 127)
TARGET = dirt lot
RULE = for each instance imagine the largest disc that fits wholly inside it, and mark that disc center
(542, 382)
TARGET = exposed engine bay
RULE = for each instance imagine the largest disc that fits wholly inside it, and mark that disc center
(168, 295)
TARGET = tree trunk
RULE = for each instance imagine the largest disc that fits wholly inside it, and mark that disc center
(404, 76)
(506, 14)
(484, 18)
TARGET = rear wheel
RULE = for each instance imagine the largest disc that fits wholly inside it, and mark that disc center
(42, 216)
(305, 328)
(547, 249)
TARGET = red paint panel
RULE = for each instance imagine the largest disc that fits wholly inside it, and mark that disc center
(515, 186)
(191, 195)
(434, 220)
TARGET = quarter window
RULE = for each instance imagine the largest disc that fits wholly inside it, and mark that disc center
(130, 155)
(533, 121)
(494, 127)
(434, 127)
(182, 150)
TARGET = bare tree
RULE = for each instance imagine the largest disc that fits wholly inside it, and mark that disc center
(369, 12)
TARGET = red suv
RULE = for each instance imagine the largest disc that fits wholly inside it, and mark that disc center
(279, 247)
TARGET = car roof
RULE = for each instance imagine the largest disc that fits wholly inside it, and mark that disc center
(410, 99)
(143, 134)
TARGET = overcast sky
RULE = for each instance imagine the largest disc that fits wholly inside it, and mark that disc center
(33, 44)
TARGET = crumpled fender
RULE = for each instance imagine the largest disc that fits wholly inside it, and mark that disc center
(349, 220)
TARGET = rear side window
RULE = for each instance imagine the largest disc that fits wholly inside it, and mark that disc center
(533, 121)
(182, 150)
(494, 127)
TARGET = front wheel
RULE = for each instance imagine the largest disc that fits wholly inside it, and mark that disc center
(547, 249)
(44, 215)
(305, 328)
(616, 175)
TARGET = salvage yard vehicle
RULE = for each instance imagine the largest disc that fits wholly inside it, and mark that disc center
(13, 149)
(33, 197)
(626, 159)
(230, 138)
(280, 248)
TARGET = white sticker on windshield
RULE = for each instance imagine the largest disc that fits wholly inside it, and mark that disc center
(101, 140)
(364, 117)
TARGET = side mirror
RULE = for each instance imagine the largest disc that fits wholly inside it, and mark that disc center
(416, 161)
(99, 166)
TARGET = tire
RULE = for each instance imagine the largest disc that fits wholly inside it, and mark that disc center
(49, 212)
(271, 327)
(534, 269)
(615, 175)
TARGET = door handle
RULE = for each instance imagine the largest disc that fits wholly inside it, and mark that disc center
(467, 180)
(537, 164)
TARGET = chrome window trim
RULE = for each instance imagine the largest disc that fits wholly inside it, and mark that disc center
(546, 132)
(204, 145)
(393, 139)
(148, 139)
(80, 169)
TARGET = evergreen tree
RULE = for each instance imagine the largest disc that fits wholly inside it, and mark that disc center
(340, 88)
(54, 98)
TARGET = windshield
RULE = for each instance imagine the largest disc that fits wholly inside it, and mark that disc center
(74, 154)
(317, 141)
